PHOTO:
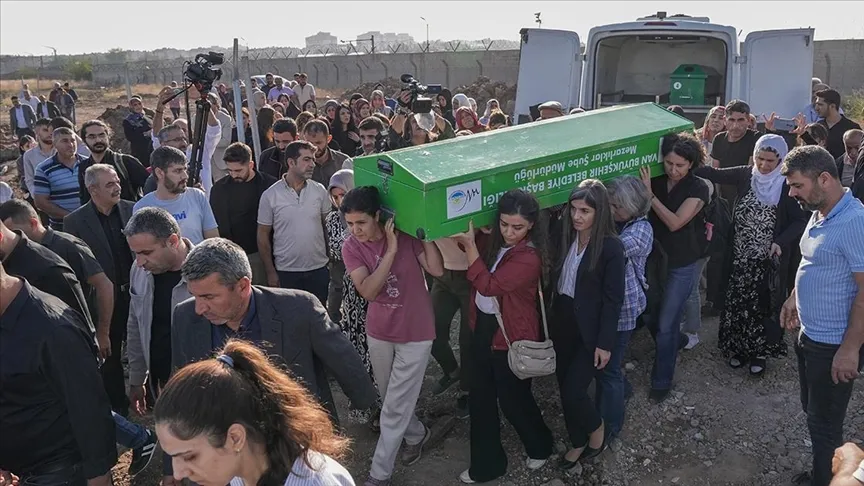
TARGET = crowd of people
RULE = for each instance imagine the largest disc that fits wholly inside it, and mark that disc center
(279, 262)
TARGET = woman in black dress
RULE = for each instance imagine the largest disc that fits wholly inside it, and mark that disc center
(767, 226)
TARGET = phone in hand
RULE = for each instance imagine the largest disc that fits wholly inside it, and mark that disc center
(784, 124)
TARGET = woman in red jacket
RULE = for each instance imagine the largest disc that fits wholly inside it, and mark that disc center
(505, 268)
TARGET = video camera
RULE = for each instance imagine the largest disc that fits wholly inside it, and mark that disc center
(201, 72)
(419, 103)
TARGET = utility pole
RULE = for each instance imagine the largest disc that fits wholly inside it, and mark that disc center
(55, 52)
(538, 20)
(427, 32)
(238, 101)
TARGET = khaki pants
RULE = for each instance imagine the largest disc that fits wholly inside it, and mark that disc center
(259, 275)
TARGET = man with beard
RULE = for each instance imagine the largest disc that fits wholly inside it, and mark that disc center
(828, 107)
(370, 129)
(132, 174)
(293, 211)
(188, 205)
(137, 127)
(36, 155)
(827, 301)
(327, 161)
(273, 159)
(235, 201)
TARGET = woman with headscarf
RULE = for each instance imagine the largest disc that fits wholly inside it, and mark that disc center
(362, 110)
(344, 131)
(445, 102)
(491, 106)
(466, 119)
(330, 108)
(344, 304)
(459, 101)
(715, 122)
(379, 104)
(767, 224)
(473, 104)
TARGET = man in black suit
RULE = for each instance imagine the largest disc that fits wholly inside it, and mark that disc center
(100, 224)
(21, 118)
(46, 109)
(291, 325)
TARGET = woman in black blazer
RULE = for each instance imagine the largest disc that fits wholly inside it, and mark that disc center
(586, 307)
(767, 226)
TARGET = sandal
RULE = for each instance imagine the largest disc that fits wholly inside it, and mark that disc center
(757, 366)
(737, 361)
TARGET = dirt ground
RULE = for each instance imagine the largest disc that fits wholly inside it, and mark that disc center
(721, 427)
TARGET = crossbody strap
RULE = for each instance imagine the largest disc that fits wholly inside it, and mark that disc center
(542, 314)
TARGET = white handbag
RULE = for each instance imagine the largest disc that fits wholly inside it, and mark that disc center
(529, 359)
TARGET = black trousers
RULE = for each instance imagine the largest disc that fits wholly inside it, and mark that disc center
(450, 293)
(824, 403)
(574, 368)
(112, 368)
(493, 384)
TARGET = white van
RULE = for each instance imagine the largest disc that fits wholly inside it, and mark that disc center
(634, 62)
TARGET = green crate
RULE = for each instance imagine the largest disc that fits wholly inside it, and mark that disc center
(435, 189)
(690, 83)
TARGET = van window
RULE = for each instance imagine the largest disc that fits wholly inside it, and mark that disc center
(638, 68)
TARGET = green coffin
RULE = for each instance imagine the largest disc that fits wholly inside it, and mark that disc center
(435, 189)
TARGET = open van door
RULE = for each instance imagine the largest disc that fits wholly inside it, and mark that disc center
(550, 69)
(776, 71)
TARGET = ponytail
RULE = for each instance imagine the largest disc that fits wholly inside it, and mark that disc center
(276, 410)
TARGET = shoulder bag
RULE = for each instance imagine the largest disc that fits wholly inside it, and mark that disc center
(529, 359)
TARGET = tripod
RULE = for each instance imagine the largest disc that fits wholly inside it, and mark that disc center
(202, 112)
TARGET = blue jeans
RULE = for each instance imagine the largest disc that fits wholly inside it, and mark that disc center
(612, 386)
(693, 307)
(128, 434)
(679, 286)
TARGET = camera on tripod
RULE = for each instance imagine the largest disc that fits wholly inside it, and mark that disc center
(419, 103)
(201, 72)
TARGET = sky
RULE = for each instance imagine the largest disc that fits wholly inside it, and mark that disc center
(130, 24)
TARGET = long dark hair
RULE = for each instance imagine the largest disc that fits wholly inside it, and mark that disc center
(512, 202)
(339, 133)
(277, 412)
(594, 193)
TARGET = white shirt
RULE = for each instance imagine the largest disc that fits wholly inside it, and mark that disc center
(33, 102)
(489, 305)
(567, 281)
(304, 93)
(19, 114)
(325, 471)
(275, 92)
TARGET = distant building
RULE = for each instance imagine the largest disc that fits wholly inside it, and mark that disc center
(386, 38)
(321, 39)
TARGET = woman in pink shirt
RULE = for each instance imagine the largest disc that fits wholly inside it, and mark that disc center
(387, 268)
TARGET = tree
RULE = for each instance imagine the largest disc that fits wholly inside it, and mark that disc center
(81, 69)
(115, 54)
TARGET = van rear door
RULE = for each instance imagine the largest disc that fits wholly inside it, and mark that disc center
(550, 69)
(776, 70)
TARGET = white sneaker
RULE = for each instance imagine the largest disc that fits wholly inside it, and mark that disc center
(466, 478)
(535, 464)
(692, 341)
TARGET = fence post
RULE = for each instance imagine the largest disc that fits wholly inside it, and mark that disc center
(253, 111)
(128, 84)
(238, 98)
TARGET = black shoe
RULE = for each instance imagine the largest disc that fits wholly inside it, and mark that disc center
(737, 361)
(141, 456)
(683, 340)
(591, 453)
(462, 407)
(802, 478)
(565, 465)
(445, 383)
(658, 396)
(757, 366)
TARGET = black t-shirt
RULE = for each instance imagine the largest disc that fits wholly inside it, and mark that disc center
(680, 246)
(80, 258)
(835, 135)
(242, 213)
(160, 330)
(734, 154)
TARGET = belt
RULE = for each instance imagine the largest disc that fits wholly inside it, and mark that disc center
(50, 468)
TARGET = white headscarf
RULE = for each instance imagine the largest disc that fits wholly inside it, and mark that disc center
(769, 187)
(459, 101)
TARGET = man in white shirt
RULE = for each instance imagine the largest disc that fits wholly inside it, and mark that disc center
(304, 90)
(35, 156)
(293, 210)
(188, 205)
(28, 98)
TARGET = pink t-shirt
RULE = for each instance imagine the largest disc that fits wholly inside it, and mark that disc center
(402, 312)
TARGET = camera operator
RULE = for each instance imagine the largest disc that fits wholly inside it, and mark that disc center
(406, 132)
(371, 128)
(178, 139)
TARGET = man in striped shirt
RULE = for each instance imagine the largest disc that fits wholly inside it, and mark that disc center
(828, 301)
(55, 183)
